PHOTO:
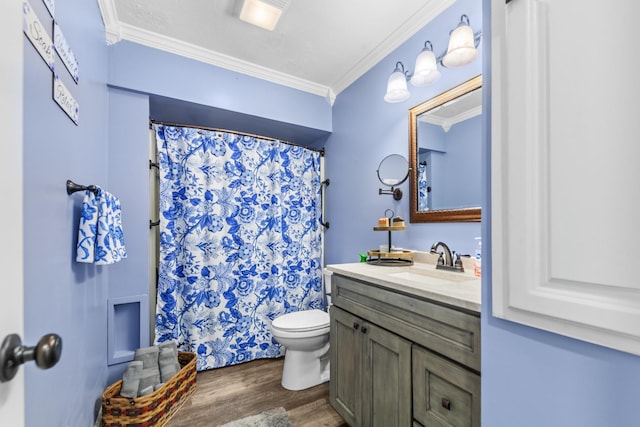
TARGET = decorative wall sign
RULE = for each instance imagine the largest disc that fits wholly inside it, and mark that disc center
(37, 35)
(65, 52)
(65, 100)
(51, 6)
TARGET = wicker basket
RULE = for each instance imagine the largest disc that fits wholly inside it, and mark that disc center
(154, 409)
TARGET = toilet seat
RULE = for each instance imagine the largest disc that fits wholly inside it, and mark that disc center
(302, 321)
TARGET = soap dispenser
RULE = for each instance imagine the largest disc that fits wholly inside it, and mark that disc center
(477, 268)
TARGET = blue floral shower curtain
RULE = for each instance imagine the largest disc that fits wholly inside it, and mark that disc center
(240, 241)
(423, 194)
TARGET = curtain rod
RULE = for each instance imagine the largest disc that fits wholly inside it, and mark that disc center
(159, 122)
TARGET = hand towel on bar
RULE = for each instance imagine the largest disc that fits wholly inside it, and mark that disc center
(100, 237)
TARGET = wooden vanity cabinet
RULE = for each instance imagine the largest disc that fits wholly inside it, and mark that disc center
(396, 359)
(444, 393)
(372, 373)
(346, 358)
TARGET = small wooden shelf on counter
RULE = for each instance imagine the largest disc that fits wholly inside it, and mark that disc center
(394, 254)
(395, 258)
(400, 228)
(390, 258)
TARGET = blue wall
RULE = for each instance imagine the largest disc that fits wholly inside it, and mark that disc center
(533, 378)
(128, 168)
(366, 129)
(463, 164)
(438, 194)
(60, 295)
(186, 90)
(431, 137)
(456, 163)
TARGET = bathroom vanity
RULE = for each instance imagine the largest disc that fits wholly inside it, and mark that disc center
(405, 345)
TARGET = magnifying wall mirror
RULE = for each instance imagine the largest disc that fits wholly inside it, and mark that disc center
(392, 171)
(445, 156)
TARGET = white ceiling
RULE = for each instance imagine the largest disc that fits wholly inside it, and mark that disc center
(455, 111)
(319, 46)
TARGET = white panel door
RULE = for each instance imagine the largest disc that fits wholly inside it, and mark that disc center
(11, 279)
(565, 152)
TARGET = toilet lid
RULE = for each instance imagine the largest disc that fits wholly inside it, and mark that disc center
(305, 320)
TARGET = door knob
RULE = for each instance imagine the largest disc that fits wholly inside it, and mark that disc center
(13, 354)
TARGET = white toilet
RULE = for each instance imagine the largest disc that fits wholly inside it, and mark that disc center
(305, 335)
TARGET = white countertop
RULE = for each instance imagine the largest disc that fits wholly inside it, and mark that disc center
(422, 279)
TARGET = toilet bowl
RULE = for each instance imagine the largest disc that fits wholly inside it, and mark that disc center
(305, 336)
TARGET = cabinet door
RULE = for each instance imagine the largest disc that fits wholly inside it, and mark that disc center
(346, 362)
(564, 161)
(444, 393)
(386, 378)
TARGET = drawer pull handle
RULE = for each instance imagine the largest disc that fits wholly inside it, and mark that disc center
(446, 404)
(355, 325)
(364, 329)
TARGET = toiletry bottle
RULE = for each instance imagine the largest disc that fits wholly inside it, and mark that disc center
(477, 269)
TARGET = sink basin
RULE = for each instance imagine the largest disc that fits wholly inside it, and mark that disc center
(436, 277)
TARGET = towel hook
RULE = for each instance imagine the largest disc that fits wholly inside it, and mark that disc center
(72, 187)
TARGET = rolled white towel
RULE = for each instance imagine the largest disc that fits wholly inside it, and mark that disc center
(131, 379)
(150, 378)
(167, 370)
(146, 390)
(173, 347)
(148, 356)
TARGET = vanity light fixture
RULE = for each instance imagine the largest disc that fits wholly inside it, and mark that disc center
(462, 50)
(263, 13)
(426, 71)
(397, 85)
(463, 45)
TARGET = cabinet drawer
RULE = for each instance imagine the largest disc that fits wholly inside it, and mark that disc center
(446, 330)
(444, 394)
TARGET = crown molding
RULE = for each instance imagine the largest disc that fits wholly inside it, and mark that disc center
(448, 123)
(110, 20)
(465, 115)
(434, 120)
(178, 47)
(425, 15)
(117, 31)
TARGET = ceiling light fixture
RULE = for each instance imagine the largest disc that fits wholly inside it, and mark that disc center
(462, 50)
(263, 13)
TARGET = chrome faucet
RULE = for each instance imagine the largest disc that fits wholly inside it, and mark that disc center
(447, 262)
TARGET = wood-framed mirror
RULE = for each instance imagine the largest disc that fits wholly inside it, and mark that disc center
(445, 156)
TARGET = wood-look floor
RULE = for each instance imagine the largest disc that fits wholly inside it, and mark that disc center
(233, 392)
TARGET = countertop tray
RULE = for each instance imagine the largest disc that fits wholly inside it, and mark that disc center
(390, 259)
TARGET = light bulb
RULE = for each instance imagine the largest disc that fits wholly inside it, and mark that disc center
(397, 86)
